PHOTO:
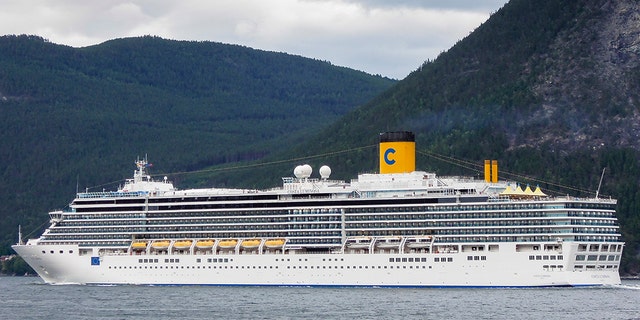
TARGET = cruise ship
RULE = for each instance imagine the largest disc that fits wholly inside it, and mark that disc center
(397, 228)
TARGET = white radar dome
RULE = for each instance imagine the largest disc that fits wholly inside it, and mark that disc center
(303, 171)
(325, 172)
(297, 172)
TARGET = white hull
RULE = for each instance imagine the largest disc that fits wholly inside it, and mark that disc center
(513, 269)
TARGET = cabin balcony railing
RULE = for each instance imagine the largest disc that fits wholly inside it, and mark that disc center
(111, 194)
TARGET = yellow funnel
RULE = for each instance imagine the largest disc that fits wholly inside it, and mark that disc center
(397, 152)
(491, 171)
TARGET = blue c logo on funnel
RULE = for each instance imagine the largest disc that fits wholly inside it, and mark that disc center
(386, 156)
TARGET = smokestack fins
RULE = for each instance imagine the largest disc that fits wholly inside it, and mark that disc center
(397, 152)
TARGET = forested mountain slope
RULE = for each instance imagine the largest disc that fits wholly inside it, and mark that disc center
(79, 117)
(549, 88)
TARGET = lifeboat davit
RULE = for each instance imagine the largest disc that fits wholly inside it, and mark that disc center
(160, 244)
(182, 244)
(227, 243)
(274, 243)
(205, 243)
(250, 243)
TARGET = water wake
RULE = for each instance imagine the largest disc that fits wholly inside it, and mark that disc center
(634, 286)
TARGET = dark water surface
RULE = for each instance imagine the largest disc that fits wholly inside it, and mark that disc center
(30, 298)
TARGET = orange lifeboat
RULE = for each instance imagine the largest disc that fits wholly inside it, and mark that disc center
(250, 243)
(205, 243)
(182, 244)
(139, 245)
(274, 243)
(160, 244)
(227, 243)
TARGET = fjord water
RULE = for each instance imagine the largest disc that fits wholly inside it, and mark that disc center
(30, 298)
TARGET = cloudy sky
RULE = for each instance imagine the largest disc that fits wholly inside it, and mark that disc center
(386, 37)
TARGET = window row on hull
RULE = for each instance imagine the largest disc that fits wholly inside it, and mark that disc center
(335, 232)
(373, 214)
(353, 205)
(471, 229)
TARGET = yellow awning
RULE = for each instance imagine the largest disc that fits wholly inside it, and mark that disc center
(539, 192)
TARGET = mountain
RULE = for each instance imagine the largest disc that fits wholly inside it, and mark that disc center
(549, 88)
(75, 118)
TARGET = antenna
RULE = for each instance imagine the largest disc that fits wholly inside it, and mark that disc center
(600, 184)
(20, 235)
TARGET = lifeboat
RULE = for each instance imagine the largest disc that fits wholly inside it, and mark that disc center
(418, 242)
(205, 243)
(139, 245)
(182, 244)
(388, 242)
(227, 243)
(358, 242)
(250, 243)
(274, 243)
(160, 244)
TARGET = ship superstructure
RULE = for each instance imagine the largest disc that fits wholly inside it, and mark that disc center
(398, 228)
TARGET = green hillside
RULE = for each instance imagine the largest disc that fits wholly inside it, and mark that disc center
(549, 88)
(79, 117)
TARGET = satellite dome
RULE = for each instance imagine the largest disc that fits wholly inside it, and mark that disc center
(303, 171)
(325, 172)
(306, 171)
(298, 172)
